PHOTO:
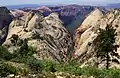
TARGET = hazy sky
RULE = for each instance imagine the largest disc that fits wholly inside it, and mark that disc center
(95, 2)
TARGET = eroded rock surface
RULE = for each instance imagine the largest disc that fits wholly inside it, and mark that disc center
(47, 34)
(85, 35)
(92, 18)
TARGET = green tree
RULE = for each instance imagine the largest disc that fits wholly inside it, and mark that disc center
(104, 44)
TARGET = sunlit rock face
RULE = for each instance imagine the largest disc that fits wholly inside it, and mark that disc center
(85, 35)
(47, 34)
(5, 20)
(92, 18)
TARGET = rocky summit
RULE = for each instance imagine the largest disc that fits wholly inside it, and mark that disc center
(5, 20)
(47, 35)
(88, 31)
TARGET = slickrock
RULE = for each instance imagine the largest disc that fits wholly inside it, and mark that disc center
(47, 34)
(84, 49)
(92, 18)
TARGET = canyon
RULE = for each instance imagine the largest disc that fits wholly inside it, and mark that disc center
(61, 34)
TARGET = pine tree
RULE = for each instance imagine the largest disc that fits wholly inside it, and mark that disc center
(104, 44)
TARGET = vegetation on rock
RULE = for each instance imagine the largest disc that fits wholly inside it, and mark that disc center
(105, 44)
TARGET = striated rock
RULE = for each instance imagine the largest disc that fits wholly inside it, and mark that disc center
(84, 49)
(47, 34)
(5, 20)
(92, 18)
(71, 15)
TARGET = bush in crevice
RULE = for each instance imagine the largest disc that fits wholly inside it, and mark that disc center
(23, 52)
(5, 54)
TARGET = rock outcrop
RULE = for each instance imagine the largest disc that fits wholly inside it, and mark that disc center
(5, 20)
(85, 35)
(47, 34)
(71, 15)
(92, 18)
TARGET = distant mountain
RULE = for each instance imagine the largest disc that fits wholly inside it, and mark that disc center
(27, 6)
(72, 15)
(110, 6)
(18, 13)
(22, 6)
(45, 10)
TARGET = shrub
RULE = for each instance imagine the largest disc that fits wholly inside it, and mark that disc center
(34, 64)
(75, 69)
(22, 55)
(25, 50)
(111, 73)
(5, 54)
(6, 69)
(70, 68)
(49, 66)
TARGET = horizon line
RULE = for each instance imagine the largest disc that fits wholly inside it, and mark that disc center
(58, 4)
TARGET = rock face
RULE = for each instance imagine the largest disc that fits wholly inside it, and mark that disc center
(72, 15)
(47, 34)
(84, 49)
(92, 18)
(5, 20)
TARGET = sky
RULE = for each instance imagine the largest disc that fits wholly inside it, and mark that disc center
(91, 2)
